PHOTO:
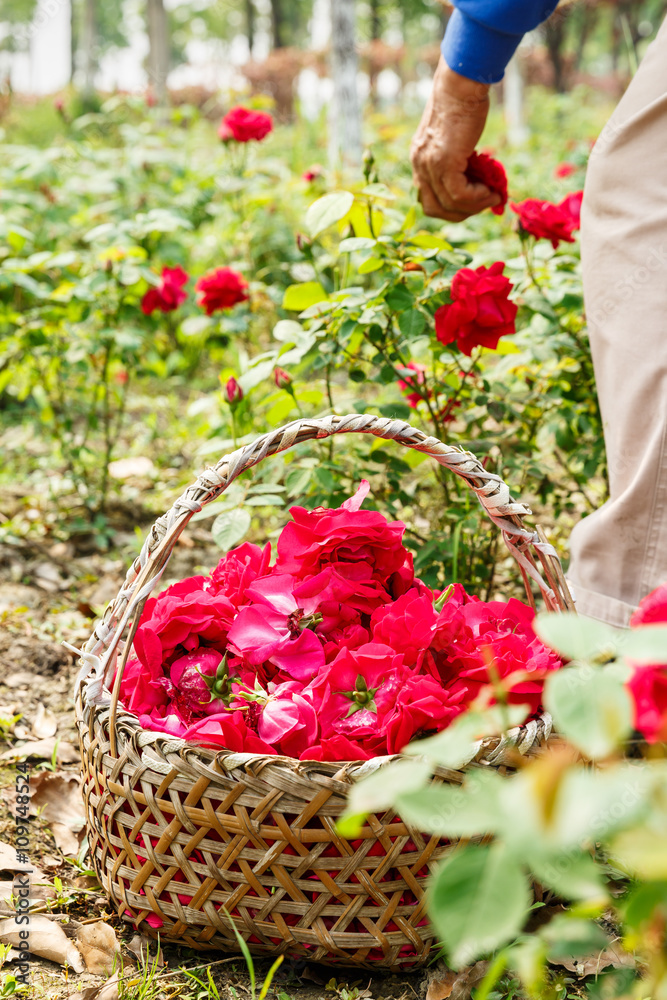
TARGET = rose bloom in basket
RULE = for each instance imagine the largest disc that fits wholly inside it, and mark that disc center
(335, 651)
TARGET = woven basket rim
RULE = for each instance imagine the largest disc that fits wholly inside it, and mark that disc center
(483, 751)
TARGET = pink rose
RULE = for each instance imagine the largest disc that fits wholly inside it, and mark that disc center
(288, 720)
(227, 731)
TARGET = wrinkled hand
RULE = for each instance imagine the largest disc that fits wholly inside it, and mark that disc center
(448, 133)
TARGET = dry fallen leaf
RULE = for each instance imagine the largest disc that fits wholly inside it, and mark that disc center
(56, 798)
(99, 946)
(65, 752)
(445, 984)
(587, 965)
(46, 939)
(24, 876)
(45, 723)
(108, 991)
(146, 950)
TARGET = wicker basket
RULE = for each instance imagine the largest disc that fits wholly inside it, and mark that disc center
(186, 840)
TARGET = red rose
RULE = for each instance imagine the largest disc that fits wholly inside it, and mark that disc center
(406, 625)
(423, 706)
(564, 170)
(312, 173)
(347, 554)
(480, 313)
(503, 633)
(336, 748)
(571, 205)
(243, 125)
(221, 289)
(409, 384)
(544, 220)
(169, 294)
(648, 687)
(652, 609)
(483, 169)
(233, 391)
(281, 378)
(180, 621)
(350, 692)
(238, 569)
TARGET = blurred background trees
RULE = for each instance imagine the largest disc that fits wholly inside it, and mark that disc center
(155, 38)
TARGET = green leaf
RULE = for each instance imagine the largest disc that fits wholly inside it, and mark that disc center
(380, 790)
(570, 875)
(645, 645)
(288, 330)
(353, 243)
(591, 707)
(642, 851)
(396, 411)
(428, 241)
(479, 901)
(458, 744)
(328, 210)
(194, 326)
(642, 903)
(399, 298)
(411, 324)
(570, 937)
(266, 500)
(576, 637)
(297, 481)
(233, 496)
(228, 529)
(372, 264)
(300, 297)
(266, 488)
(455, 811)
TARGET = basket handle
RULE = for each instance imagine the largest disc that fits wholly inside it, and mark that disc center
(494, 495)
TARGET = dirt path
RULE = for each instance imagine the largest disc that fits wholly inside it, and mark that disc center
(44, 599)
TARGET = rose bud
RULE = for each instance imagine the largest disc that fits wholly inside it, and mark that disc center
(281, 378)
(233, 392)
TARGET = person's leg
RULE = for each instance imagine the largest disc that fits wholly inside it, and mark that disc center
(619, 553)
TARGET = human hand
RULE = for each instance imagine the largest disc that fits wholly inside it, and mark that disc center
(448, 133)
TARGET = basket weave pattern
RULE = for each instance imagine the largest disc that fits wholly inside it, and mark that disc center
(186, 840)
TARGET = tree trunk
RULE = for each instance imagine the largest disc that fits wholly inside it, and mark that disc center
(278, 24)
(88, 45)
(158, 52)
(376, 24)
(376, 31)
(513, 101)
(250, 24)
(345, 129)
(73, 39)
(554, 31)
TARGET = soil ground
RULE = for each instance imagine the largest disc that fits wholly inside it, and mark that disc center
(47, 597)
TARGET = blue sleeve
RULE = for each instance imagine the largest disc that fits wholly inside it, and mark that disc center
(482, 35)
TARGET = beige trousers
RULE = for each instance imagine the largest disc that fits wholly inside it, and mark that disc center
(619, 553)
